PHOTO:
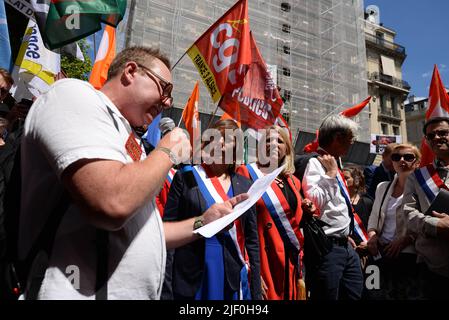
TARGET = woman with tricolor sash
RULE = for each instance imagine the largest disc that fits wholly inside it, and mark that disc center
(226, 266)
(279, 215)
(389, 239)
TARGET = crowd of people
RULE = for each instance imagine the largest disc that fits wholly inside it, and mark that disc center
(88, 203)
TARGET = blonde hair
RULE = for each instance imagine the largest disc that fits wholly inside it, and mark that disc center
(415, 150)
(289, 159)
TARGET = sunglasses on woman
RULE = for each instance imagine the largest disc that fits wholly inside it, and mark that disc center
(408, 157)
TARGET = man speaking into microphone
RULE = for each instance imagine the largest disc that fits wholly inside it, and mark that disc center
(88, 186)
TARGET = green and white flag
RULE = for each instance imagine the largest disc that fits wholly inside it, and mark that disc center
(69, 21)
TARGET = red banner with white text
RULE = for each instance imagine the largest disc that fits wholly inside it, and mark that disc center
(258, 101)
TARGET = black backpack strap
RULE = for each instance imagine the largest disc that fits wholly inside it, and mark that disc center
(101, 282)
(102, 248)
(44, 242)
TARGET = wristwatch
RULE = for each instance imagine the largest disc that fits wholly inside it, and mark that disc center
(199, 222)
(171, 155)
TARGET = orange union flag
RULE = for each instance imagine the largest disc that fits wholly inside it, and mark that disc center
(221, 53)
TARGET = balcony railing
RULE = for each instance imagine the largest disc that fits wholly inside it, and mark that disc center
(392, 81)
(385, 43)
(390, 113)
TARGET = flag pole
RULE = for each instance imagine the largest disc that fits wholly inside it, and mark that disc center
(179, 60)
(95, 47)
(213, 114)
(179, 123)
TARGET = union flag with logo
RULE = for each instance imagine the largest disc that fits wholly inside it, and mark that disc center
(223, 51)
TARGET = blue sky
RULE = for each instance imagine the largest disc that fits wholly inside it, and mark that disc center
(422, 27)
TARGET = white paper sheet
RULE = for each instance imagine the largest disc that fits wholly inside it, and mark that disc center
(255, 193)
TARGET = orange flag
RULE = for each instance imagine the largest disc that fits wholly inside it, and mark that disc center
(223, 51)
(258, 100)
(190, 115)
(438, 107)
(105, 55)
(355, 110)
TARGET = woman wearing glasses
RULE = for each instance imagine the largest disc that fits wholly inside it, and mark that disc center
(390, 244)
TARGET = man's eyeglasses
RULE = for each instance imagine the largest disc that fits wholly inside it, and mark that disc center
(408, 157)
(439, 133)
(166, 86)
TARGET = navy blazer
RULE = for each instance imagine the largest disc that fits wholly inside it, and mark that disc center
(188, 261)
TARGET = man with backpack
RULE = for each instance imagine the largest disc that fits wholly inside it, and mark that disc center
(336, 275)
(88, 222)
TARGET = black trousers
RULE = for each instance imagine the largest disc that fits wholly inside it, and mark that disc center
(337, 277)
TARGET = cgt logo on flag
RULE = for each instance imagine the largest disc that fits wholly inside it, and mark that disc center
(222, 50)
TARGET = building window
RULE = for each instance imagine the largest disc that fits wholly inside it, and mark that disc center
(384, 128)
(396, 131)
(394, 107)
(286, 28)
(383, 104)
(285, 6)
(287, 49)
(286, 71)
(287, 95)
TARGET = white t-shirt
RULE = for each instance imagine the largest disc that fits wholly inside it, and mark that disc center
(73, 121)
(389, 227)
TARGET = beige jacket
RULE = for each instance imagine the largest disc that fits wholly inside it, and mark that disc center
(377, 217)
(431, 250)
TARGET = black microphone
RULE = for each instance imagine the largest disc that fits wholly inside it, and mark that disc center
(166, 125)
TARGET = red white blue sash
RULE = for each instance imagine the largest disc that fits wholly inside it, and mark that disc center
(359, 229)
(272, 200)
(213, 192)
(170, 175)
(430, 181)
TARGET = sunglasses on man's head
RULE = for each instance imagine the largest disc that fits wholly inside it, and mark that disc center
(440, 133)
(408, 157)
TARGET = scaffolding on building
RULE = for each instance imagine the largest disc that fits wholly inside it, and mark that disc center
(316, 46)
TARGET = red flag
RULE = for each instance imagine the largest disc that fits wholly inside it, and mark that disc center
(355, 110)
(105, 55)
(190, 115)
(438, 107)
(258, 100)
(348, 113)
(221, 53)
(313, 146)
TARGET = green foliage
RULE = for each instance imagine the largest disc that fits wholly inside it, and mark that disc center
(75, 68)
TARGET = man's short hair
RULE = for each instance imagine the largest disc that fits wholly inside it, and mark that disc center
(7, 76)
(389, 149)
(140, 55)
(335, 124)
(434, 120)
